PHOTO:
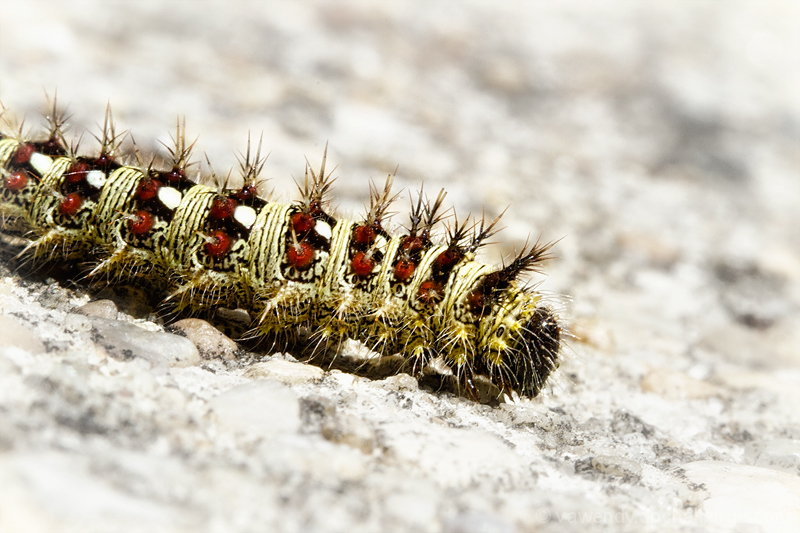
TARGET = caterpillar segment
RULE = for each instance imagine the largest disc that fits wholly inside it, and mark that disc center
(292, 266)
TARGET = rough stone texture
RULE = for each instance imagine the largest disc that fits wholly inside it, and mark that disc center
(209, 340)
(659, 140)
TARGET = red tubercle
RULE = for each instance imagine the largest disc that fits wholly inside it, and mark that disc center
(70, 204)
(362, 265)
(76, 172)
(141, 222)
(315, 207)
(16, 181)
(175, 175)
(52, 146)
(364, 235)
(147, 189)
(302, 223)
(447, 259)
(218, 244)
(404, 269)
(300, 255)
(103, 161)
(24, 152)
(413, 243)
(222, 208)
(430, 292)
(247, 192)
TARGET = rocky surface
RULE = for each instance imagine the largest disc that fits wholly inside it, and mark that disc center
(659, 141)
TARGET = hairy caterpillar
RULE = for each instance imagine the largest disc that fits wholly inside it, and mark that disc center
(291, 266)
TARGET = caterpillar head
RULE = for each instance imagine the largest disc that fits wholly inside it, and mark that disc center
(518, 338)
(518, 343)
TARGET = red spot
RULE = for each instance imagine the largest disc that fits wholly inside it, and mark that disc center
(147, 189)
(362, 265)
(300, 255)
(315, 207)
(52, 146)
(447, 259)
(430, 292)
(247, 192)
(413, 244)
(176, 175)
(219, 244)
(222, 208)
(103, 161)
(23, 154)
(363, 235)
(302, 223)
(16, 181)
(404, 269)
(141, 222)
(70, 204)
(77, 172)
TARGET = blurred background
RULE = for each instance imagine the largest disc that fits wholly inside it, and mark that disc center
(658, 140)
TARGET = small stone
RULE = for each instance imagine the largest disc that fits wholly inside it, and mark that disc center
(285, 372)
(209, 340)
(261, 407)
(399, 382)
(76, 323)
(99, 308)
(746, 497)
(126, 341)
(349, 430)
(12, 333)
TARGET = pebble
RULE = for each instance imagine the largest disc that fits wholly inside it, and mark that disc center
(126, 341)
(399, 383)
(746, 498)
(261, 407)
(209, 340)
(99, 308)
(13, 333)
(285, 372)
(349, 430)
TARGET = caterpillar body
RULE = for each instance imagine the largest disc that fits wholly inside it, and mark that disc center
(292, 266)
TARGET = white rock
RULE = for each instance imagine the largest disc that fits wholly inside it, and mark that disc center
(260, 407)
(778, 454)
(742, 496)
(285, 372)
(209, 340)
(126, 341)
(99, 308)
(13, 333)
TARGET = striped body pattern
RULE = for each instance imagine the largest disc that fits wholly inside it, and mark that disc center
(290, 265)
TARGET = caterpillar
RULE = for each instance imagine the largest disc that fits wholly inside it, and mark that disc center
(292, 266)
